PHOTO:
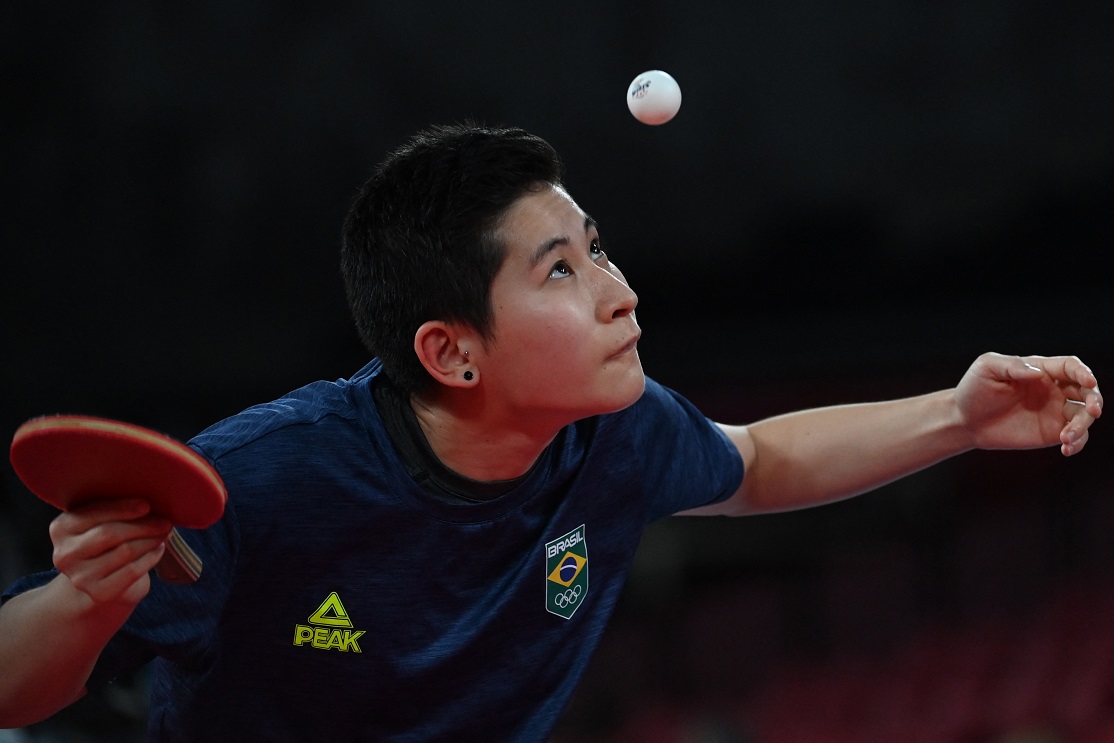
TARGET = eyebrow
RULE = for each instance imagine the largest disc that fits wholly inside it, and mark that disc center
(548, 246)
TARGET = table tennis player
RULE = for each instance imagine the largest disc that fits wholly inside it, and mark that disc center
(430, 550)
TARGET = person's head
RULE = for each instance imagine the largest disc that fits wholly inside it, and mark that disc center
(420, 241)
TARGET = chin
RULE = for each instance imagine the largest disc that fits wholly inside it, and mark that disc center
(626, 392)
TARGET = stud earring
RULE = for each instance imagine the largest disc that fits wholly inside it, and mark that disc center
(468, 375)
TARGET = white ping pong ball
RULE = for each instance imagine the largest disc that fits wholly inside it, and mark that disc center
(654, 97)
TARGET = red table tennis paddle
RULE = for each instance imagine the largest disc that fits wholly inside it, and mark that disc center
(70, 460)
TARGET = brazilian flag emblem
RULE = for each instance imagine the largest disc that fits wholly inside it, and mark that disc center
(566, 573)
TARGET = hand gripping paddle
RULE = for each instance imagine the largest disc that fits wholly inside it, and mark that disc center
(70, 460)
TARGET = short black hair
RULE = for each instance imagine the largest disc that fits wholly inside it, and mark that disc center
(419, 242)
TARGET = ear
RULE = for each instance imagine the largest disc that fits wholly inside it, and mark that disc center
(443, 350)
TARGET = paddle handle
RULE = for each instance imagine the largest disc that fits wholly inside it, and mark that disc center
(180, 565)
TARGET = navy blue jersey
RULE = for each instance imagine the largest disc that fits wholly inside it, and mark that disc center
(340, 601)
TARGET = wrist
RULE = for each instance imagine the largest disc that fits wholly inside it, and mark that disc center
(99, 615)
(955, 435)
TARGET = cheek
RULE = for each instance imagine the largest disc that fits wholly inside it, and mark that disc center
(545, 341)
(554, 345)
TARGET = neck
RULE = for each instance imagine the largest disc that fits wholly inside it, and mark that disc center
(473, 441)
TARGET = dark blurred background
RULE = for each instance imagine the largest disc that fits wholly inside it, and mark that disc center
(853, 202)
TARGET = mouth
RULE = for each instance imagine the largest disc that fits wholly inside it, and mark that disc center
(627, 347)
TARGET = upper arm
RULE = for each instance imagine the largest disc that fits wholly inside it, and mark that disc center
(735, 505)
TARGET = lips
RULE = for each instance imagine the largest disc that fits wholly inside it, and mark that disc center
(627, 347)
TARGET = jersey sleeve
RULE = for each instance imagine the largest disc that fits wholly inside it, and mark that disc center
(686, 460)
(176, 622)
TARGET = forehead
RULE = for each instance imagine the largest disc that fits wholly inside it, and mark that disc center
(538, 217)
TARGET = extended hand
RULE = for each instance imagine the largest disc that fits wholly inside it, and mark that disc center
(106, 548)
(1009, 402)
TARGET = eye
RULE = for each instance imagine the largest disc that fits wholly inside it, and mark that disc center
(560, 270)
(596, 250)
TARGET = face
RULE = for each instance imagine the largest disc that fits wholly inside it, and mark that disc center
(565, 332)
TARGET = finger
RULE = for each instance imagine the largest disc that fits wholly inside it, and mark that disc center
(75, 539)
(105, 542)
(1072, 392)
(1089, 397)
(1076, 432)
(1074, 378)
(1073, 444)
(1092, 398)
(89, 515)
(1064, 368)
(120, 574)
(104, 510)
(74, 526)
(1010, 368)
(112, 509)
(1073, 408)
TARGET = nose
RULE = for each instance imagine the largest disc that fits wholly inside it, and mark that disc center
(615, 298)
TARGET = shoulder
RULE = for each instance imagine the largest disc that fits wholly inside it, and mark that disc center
(659, 405)
(659, 421)
(296, 416)
(683, 458)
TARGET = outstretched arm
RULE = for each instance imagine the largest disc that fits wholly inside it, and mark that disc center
(50, 637)
(1002, 402)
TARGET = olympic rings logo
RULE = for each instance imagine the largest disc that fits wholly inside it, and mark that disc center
(568, 598)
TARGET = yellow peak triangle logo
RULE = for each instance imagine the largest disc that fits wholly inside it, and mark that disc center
(331, 613)
(329, 628)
